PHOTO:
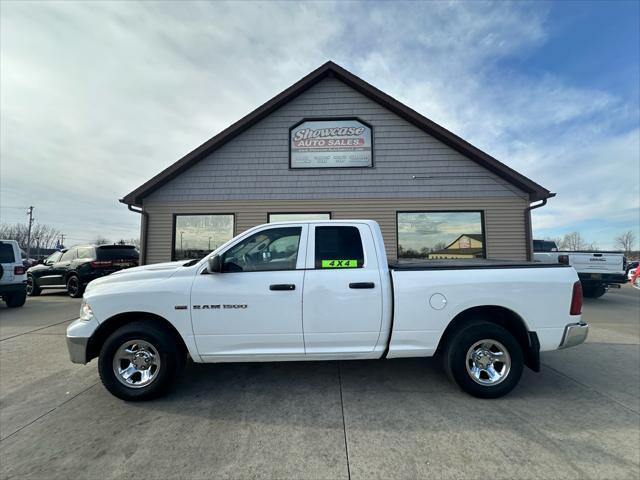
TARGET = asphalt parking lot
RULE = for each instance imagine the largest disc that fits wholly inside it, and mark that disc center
(578, 418)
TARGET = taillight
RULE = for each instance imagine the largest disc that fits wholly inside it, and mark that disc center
(19, 270)
(101, 263)
(563, 259)
(576, 299)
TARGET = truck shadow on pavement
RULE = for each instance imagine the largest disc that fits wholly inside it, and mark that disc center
(403, 394)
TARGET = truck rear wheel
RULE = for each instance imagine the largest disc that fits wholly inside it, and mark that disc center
(484, 359)
(139, 361)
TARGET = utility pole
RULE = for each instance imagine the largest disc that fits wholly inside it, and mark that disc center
(61, 240)
(209, 243)
(30, 213)
(38, 243)
(181, 233)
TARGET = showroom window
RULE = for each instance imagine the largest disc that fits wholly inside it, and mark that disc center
(295, 217)
(441, 235)
(195, 235)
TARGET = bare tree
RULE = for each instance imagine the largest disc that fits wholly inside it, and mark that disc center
(626, 241)
(100, 240)
(573, 241)
(43, 235)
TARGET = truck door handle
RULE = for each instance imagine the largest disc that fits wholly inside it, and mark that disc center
(282, 286)
(362, 285)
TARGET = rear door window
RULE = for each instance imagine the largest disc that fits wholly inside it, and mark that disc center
(85, 253)
(338, 247)
(6, 253)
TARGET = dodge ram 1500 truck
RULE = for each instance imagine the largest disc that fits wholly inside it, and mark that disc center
(323, 290)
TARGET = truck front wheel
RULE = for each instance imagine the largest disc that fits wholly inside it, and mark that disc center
(484, 359)
(139, 361)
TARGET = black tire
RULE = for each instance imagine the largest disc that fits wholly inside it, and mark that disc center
(75, 289)
(455, 359)
(593, 291)
(33, 290)
(171, 356)
(14, 300)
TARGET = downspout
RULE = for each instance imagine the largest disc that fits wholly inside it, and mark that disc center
(145, 229)
(527, 225)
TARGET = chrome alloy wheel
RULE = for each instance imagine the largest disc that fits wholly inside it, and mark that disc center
(136, 363)
(488, 362)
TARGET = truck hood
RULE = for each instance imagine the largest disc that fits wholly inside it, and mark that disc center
(146, 272)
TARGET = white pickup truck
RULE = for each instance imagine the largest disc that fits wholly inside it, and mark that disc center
(324, 291)
(597, 270)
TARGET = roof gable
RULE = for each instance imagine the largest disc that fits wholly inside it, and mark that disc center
(330, 69)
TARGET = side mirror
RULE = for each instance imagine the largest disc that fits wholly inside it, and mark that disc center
(214, 264)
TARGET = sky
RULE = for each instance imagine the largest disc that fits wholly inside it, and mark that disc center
(97, 97)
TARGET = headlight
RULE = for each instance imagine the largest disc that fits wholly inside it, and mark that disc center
(85, 311)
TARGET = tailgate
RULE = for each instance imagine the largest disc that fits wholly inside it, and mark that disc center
(597, 262)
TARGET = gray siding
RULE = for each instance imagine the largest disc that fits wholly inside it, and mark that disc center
(255, 165)
(504, 218)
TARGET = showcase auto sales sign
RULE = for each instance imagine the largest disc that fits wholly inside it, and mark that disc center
(331, 143)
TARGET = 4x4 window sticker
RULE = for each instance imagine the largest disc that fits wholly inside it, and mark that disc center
(351, 263)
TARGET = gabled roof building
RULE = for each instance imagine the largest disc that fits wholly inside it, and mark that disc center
(334, 146)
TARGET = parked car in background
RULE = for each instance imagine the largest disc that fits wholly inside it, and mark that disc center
(74, 268)
(631, 266)
(13, 278)
(597, 270)
(632, 273)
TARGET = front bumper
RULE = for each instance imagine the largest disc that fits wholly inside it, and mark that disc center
(78, 336)
(574, 334)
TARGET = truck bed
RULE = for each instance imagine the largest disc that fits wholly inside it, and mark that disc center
(403, 265)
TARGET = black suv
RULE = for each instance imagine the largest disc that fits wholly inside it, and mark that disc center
(74, 268)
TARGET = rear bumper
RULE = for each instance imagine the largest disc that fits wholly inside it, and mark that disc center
(603, 277)
(13, 288)
(78, 336)
(574, 334)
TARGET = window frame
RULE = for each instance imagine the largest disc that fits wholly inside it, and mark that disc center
(299, 213)
(482, 226)
(174, 224)
(312, 251)
(301, 249)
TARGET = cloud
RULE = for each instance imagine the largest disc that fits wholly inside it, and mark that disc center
(98, 97)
